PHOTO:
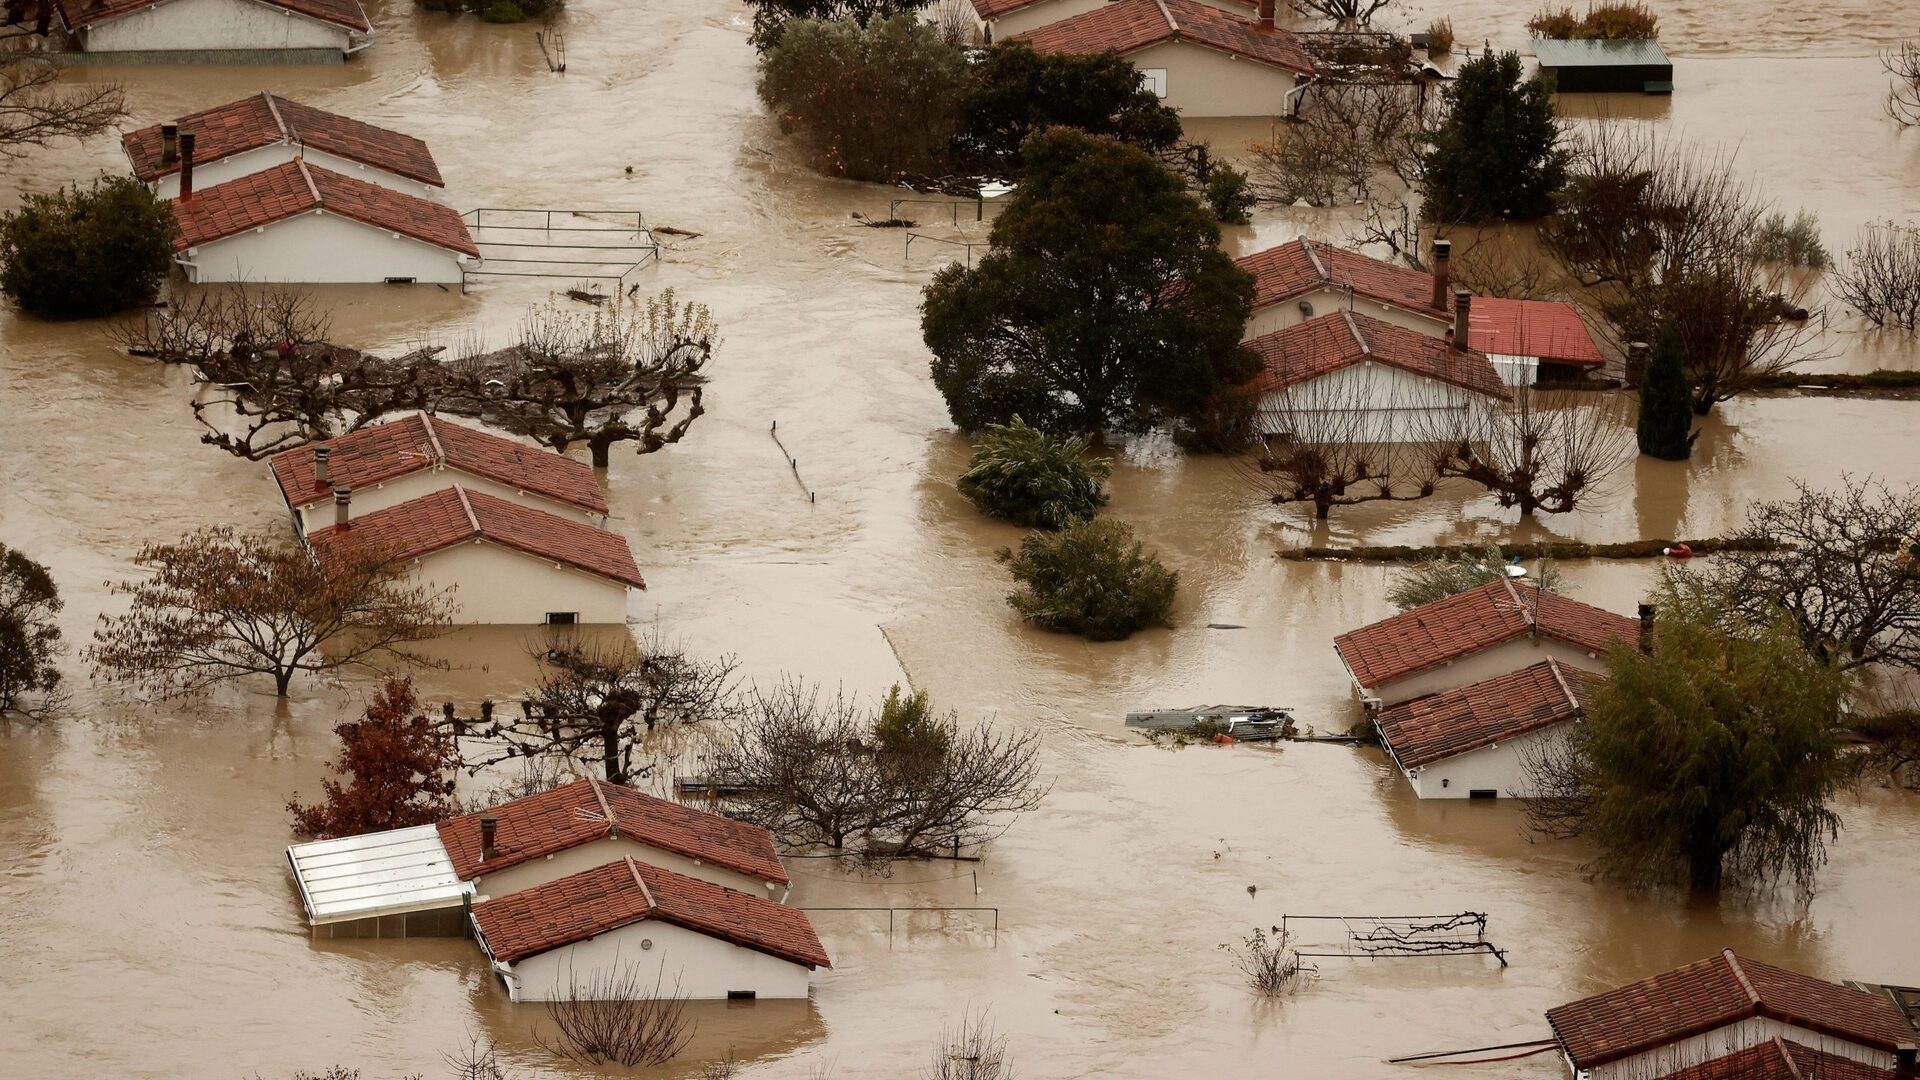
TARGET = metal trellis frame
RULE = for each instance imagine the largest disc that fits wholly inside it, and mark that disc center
(582, 245)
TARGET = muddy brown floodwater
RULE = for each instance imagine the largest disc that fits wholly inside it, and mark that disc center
(144, 907)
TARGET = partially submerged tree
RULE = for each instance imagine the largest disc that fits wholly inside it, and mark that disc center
(1016, 92)
(37, 107)
(80, 253)
(1447, 575)
(221, 605)
(1893, 745)
(770, 17)
(1665, 426)
(1104, 302)
(1031, 478)
(1903, 100)
(970, 1049)
(1544, 451)
(1329, 451)
(1269, 961)
(29, 633)
(619, 1015)
(1612, 20)
(1709, 760)
(1882, 277)
(1497, 155)
(400, 768)
(1093, 579)
(1346, 14)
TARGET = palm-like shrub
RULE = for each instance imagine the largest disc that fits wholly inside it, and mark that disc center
(1028, 477)
(1093, 579)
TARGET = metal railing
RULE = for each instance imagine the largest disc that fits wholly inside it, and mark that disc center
(891, 910)
(523, 242)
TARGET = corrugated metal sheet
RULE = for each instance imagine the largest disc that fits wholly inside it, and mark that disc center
(384, 873)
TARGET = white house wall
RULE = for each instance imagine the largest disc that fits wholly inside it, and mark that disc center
(321, 248)
(1501, 659)
(213, 24)
(526, 875)
(1722, 1041)
(502, 585)
(706, 967)
(1204, 82)
(1499, 768)
(1397, 405)
(1516, 370)
(262, 158)
(1272, 317)
(414, 485)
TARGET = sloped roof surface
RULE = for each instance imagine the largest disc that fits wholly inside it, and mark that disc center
(1302, 266)
(294, 187)
(1326, 343)
(1548, 329)
(1778, 1059)
(347, 13)
(1128, 25)
(1477, 619)
(358, 877)
(266, 118)
(1439, 726)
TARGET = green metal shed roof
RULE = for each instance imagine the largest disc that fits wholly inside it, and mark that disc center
(1561, 53)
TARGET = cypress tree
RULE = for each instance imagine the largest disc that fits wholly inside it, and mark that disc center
(1665, 413)
(1497, 156)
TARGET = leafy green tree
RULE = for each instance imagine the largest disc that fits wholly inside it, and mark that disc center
(1103, 303)
(772, 17)
(80, 254)
(876, 102)
(1708, 760)
(1666, 405)
(907, 728)
(1031, 478)
(29, 636)
(1019, 92)
(1230, 196)
(1436, 579)
(1093, 579)
(1498, 153)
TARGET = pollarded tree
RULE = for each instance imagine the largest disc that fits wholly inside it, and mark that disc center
(1327, 451)
(29, 636)
(1665, 426)
(1541, 452)
(1345, 14)
(1031, 478)
(1103, 304)
(81, 253)
(1708, 760)
(1497, 155)
(1017, 92)
(221, 605)
(400, 766)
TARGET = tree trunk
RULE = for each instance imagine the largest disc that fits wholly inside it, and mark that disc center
(1321, 507)
(610, 750)
(281, 679)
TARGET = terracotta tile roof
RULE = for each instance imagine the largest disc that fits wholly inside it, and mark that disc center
(275, 194)
(1713, 993)
(569, 816)
(1438, 726)
(1548, 329)
(1126, 26)
(1302, 266)
(1477, 619)
(264, 119)
(1778, 1059)
(993, 9)
(419, 527)
(1326, 343)
(381, 452)
(78, 13)
(592, 902)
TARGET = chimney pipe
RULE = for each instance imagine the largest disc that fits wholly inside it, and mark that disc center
(343, 507)
(1462, 304)
(1646, 628)
(1442, 272)
(1636, 362)
(186, 165)
(322, 471)
(1266, 13)
(489, 836)
(169, 143)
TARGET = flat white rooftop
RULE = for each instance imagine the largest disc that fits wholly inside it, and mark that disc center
(383, 873)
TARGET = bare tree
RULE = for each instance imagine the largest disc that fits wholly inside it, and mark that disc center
(970, 1049)
(478, 1060)
(1269, 961)
(956, 21)
(613, 1017)
(1893, 745)
(36, 108)
(220, 605)
(1330, 446)
(1882, 277)
(1342, 13)
(601, 704)
(624, 373)
(1903, 100)
(1543, 452)
(1355, 140)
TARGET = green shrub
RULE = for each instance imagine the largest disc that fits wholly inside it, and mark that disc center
(1795, 243)
(1092, 579)
(1613, 21)
(907, 728)
(1230, 196)
(1440, 37)
(1031, 478)
(503, 11)
(80, 254)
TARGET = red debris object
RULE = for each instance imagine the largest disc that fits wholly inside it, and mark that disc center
(1224, 740)
(1678, 551)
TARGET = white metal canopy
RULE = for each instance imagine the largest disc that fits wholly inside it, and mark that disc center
(383, 873)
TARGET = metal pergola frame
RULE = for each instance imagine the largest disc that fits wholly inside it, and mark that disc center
(644, 248)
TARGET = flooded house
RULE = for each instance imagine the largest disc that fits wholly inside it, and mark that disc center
(212, 31)
(298, 222)
(1474, 742)
(1491, 630)
(1367, 381)
(1202, 60)
(506, 562)
(1531, 340)
(1002, 19)
(265, 130)
(622, 929)
(1715, 1017)
(418, 454)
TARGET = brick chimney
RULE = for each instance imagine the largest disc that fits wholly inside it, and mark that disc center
(1646, 628)
(322, 470)
(1462, 305)
(1442, 272)
(169, 143)
(343, 507)
(186, 165)
(489, 837)
(1266, 13)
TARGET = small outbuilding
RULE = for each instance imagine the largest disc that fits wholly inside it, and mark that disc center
(398, 883)
(620, 929)
(1530, 340)
(1475, 742)
(203, 31)
(1605, 67)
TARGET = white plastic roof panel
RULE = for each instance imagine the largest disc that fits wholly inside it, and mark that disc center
(383, 873)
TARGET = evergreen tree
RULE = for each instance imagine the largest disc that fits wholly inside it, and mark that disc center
(1666, 414)
(1498, 153)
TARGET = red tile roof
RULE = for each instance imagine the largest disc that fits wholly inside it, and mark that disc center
(1126, 26)
(1429, 729)
(993, 9)
(592, 902)
(1302, 266)
(294, 188)
(1778, 1059)
(419, 527)
(1326, 343)
(1712, 993)
(264, 119)
(381, 452)
(1547, 329)
(1477, 619)
(569, 816)
(78, 13)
